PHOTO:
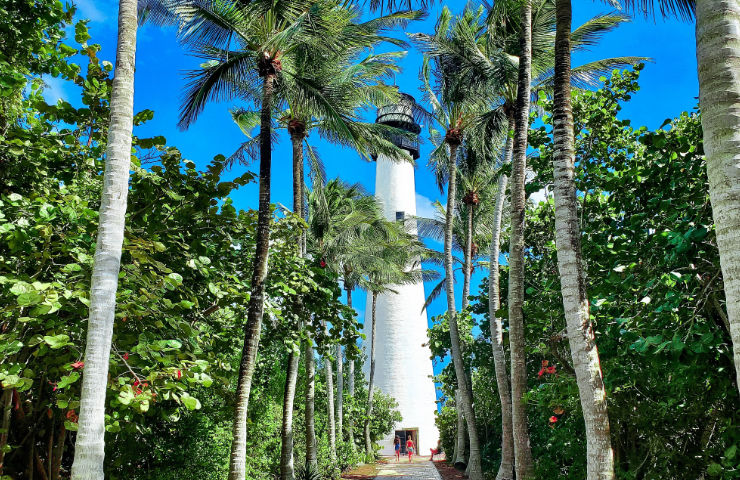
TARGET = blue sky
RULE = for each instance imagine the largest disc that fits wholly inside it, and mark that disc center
(669, 86)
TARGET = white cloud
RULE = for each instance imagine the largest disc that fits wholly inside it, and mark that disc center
(425, 207)
(54, 89)
(95, 10)
(538, 196)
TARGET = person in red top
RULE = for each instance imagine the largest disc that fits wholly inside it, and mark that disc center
(410, 446)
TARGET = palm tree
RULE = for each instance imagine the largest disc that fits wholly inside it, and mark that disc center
(249, 48)
(389, 257)
(717, 23)
(470, 232)
(338, 216)
(719, 96)
(523, 465)
(481, 67)
(90, 443)
(323, 93)
(455, 111)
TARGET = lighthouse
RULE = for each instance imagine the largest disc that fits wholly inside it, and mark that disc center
(403, 365)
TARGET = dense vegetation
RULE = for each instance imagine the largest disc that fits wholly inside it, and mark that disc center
(653, 272)
(181, 300)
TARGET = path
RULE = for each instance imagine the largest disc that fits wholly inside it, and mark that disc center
(419, 469)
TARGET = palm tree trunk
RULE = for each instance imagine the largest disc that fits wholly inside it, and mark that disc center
(506, 470)
(90, 443)
(56, 464)
(717, 51)
(600, 457)
(368, 443)
(461, 439)
(350, 388)
(287, 469)
(468, 260)
(475, 471)
(329, 371)
(255, 308)
(340, 393)
(311, 454)
(462, 430)
(524, 466)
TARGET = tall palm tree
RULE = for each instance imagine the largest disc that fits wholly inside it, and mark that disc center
(90, 442)
(719, 97)
(455, 111)
(249, 48)
(388, 257)
(338, 215)
(523, 465)
(323, 93)
(478, 55)
(470, 233)
(717, 24)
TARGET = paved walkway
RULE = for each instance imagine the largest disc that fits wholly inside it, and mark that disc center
(419, 469)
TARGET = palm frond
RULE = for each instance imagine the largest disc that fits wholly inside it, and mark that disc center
(590, 33)
(683, 9)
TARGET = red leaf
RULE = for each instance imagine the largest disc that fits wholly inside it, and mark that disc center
(553, 419)
(125, 356)
(179, 374)
(78, 365)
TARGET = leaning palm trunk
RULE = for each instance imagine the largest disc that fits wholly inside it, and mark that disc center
(717, 51)
(371, 380)
(328, 370)
(255, 308)
(468, 260)
(475, 471)
(311, 453)
(600, 458)
(340, 393)
(462, 430)
(287, 469)
(522, 452)
(506, 470)
(461, 439)
(350, 388)
(90, 443)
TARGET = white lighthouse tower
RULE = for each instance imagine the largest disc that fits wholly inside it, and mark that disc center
(403, 365)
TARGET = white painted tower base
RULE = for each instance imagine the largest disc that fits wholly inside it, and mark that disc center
(403, 365)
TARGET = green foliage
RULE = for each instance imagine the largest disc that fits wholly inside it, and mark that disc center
(181, 299)
(656, 299)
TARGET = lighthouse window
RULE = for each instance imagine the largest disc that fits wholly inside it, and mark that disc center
(400, 215)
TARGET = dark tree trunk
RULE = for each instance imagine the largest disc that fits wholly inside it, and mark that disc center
(522, 452)
(6, 404)
(255, 308)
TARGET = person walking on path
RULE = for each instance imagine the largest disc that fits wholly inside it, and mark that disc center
(397, 447)
(410, 446)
